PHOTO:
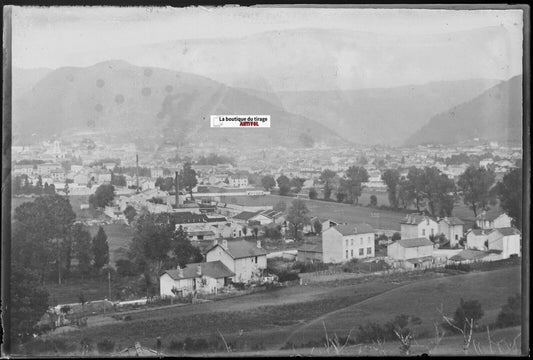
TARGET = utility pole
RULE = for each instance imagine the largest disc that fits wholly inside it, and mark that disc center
(109, 284)
(137, 170)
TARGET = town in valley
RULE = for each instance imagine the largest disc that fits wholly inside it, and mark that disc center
(369, 221)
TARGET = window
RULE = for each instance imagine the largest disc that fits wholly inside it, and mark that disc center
(361, 241)
(346, 254)
(369, 241)
(361, 251)
(369, 251)
(256, 259)
(423, 232)
(352, 242)
(352, 252)
(346, 242)
(432, 231)
(456, 237)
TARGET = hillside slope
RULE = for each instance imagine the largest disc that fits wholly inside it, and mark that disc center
(496, 114)
(117, 97)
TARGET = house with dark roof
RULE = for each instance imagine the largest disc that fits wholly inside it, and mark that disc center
(408, 249)
(347, 241)
(203, 278)
(493, 220)
(452, 228)
(506, 240)
(415, 226)
(246, 259)
(246, 217)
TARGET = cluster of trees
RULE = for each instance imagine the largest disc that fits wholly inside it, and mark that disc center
(23, 186)
(101, 162)
(426, 188)
(186, 180)
(348, 188)
(509, 192)
(45, 240)
(285, 184)
(103, 196)
(157, 245)
(214, 159)
(118, 179)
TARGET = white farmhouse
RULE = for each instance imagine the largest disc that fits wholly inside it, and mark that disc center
(452, 228)
(506, 240)
(412, 253)
(416, 226)
(490, 221)
(477, 239)
(204, 278)
(246, 260)
(347, 241)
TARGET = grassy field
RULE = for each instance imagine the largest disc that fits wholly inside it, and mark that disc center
(267, 320)
(421, 299)
(348, 213)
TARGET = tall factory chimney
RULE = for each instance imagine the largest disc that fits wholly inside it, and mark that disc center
(137, 170)
(177, 189)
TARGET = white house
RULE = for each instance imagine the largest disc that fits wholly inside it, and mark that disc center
(477, 239)
(246, 259)
(246, 217)
(156, 173)
(347, 241)
(452, 228)
(493, 221)
(204, 278)
(506, 240)
(416, 226)
(412, 253)
(238, 181)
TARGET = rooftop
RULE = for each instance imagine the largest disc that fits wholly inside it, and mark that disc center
(354, 229)
(508, 231)
(415, 219)
(213, 269)
(241, 248)
(415, 242)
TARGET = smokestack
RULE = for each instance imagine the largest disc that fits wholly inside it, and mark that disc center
(137, 170)
(177, 189)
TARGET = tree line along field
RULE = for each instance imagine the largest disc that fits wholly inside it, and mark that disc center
(270, 319)
(387, 219)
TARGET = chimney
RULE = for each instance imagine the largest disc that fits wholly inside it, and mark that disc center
(355, 229)
(225, 244)
(180, 271)
(199, 269)
(137, 170)
(259, 244)
(176, 188)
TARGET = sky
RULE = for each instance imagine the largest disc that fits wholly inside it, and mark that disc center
(53, 37)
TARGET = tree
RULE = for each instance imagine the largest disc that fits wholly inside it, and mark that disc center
(130, 213)
(255, 231)
(188, 177)
(352, 184)
(510, 193)
(317, 225)
(312, 194)
(297, 215)
(475, 184)
(391, 178)
(103, 196)
(244, 230)
(28, 303)
(326, 177)
(396, 236)
(438, 190)
(373, 200)
(415, 188)
(40, 228)
(511, 312)
(284, 185)
(268, 182)
(466, 312)
(297, 184)
(100, 249)
(82, 248)
(184, 251)
(118, 180)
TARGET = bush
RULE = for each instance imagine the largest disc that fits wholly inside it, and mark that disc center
(105, 346)
(239, 285)
(285, 276)
(460, 267)
(175, 346)
(305, 267)
(396, 236)
(465, 312)
(41, 346)
(511, 312)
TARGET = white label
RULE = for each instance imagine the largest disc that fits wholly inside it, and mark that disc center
(240, 121)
